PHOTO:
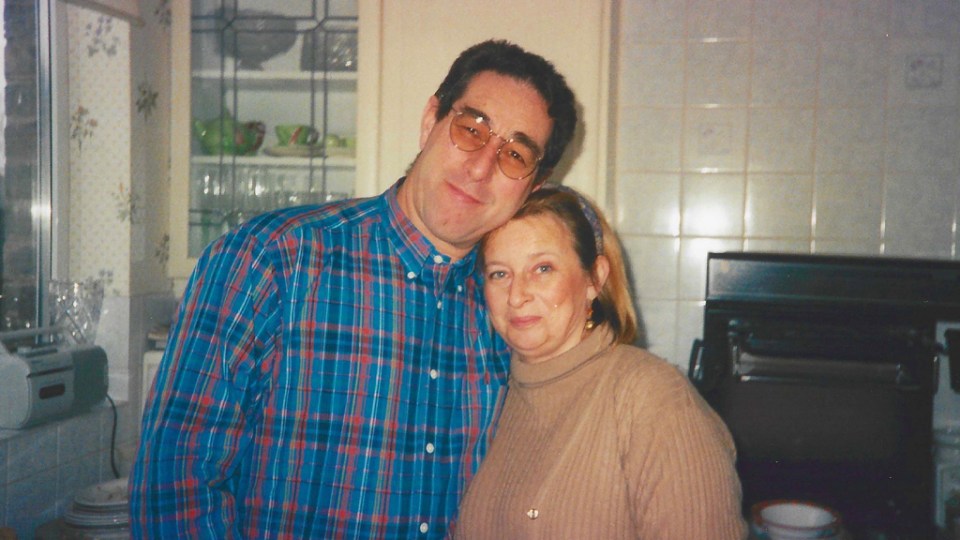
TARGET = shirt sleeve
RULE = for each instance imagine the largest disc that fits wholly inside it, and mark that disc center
(679, 459)
(203, 409)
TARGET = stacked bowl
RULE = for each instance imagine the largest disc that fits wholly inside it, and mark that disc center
(794, 520)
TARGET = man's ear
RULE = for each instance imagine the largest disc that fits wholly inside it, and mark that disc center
(540, 184)
(428, 120)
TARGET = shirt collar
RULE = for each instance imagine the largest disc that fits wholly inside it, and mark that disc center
(414, 249)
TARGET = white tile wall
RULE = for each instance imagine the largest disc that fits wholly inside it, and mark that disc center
(649, 139)
(715, 139)
(712, 205)
(784, 73)
(785, 20)
(780, 140)
(823, 126)
(791, 218)
(658, 194)
(43, 467)
(718, 19)
(850, 139)
(716, 73)
(849, 206)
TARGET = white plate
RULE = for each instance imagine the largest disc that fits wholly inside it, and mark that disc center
(114, 520)
(106, 494)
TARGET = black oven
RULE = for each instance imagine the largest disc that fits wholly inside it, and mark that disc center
(824, 369)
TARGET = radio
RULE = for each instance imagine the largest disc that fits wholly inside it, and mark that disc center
(45, 382)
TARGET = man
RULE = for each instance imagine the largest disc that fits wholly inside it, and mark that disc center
(332, 372)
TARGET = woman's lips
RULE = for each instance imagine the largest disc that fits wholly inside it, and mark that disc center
(525, 321)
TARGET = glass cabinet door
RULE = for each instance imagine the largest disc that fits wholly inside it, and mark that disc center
(272, 109)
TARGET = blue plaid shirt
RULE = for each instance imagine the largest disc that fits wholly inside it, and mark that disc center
(329, 375)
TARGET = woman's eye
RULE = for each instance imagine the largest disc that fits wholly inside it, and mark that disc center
(544, 268)
(496, 274)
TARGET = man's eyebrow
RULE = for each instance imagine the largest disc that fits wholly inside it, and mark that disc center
(474, 112)
(518, 136)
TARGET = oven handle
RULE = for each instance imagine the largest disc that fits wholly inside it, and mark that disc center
(752, 367)
(952, 350)
(695, 365)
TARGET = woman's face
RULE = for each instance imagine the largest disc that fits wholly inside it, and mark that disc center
(537, 293)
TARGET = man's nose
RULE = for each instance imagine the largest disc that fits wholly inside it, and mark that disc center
(482, 163)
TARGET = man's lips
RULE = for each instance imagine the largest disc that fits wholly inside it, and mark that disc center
(461, 194)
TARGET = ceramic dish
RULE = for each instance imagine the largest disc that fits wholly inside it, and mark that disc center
(794, 520)
(340, 151)
(294, 151)
(108, 494)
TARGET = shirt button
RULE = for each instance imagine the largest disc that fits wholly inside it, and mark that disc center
(459, 288)
(411, 275)
(437, 259)
(439, 305)
(430, 447)
(434, 374)
(424, 528)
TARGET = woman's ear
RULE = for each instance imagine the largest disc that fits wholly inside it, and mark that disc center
(601, 270)
(428, 120)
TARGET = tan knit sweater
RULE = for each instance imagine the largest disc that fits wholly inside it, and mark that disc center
(605, 442)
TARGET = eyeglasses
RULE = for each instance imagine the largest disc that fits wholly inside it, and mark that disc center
(470, 132)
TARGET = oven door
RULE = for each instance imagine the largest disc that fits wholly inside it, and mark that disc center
(839, 415)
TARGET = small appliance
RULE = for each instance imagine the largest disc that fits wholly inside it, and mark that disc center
(44, 381)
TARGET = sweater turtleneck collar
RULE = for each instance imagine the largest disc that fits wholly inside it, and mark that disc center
(559, 367)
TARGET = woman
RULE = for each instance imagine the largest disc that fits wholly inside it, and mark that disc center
(597, 438)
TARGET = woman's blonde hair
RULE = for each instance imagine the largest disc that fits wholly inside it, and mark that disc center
(614, 305)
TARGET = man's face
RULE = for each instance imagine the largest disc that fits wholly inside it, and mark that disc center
(453, 196)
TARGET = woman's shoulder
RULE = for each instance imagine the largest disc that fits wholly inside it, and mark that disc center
(631, 361)
(640, 376)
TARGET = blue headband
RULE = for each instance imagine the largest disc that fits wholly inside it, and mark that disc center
(590, 214)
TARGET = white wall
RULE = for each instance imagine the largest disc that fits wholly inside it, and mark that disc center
(808, 126)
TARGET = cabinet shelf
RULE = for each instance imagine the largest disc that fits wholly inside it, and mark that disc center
(331, 162)
(280, 80)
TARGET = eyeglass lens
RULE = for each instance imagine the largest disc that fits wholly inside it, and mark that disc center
(470, 132)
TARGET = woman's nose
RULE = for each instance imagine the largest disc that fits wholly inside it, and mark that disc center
(519, 292)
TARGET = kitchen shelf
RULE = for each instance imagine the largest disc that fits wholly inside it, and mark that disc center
(332, 162)
(281, 80)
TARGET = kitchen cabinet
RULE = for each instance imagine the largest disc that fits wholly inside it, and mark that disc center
(242, 73)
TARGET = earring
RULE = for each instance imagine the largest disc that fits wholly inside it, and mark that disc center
(590, 324)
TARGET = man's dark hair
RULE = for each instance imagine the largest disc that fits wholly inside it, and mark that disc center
(508, 59)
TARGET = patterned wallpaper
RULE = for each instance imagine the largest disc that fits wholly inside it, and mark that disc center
(101, 199)
(119, 158)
